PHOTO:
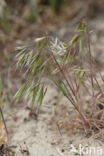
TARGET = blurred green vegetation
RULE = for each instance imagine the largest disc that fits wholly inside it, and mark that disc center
(4, 21)
(56, 4)
(33, 7)
(30, 11)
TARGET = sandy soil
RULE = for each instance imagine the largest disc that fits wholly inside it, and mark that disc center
(42, 137)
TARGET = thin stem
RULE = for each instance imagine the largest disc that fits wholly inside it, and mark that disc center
(4, 121)
(91, 68)
(76, 107)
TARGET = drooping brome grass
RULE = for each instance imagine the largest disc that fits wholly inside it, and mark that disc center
(68, 65)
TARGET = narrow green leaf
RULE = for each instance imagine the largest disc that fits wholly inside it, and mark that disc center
(75, 40)
(21, 91)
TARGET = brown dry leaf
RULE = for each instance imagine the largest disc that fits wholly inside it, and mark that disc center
(2, 99)
(3, 136)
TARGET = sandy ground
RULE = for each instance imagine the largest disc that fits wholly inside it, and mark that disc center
(42, 138)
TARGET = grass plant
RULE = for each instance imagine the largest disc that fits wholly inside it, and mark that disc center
(72, 69)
